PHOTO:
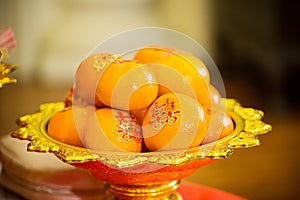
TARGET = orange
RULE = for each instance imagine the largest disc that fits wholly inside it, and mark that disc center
(215, 109)
(174, 121)
(177, 72)
(113, 130)
(220, 128)
(228, 126)
(127, 85)
(139, 114)
(87, 75)
(63, 128)
(151, 54)
(215, 100)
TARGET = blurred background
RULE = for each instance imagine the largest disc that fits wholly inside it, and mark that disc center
(255, 45)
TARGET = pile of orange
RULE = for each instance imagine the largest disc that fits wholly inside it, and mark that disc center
(161, 99)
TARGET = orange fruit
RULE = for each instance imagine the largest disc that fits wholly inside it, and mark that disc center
(174, 121)
(63, 127)
(228, 126)
(221, 127)
(215, 100)
(151, 54)
(215, 109)
(139, 114)
(177, 72)
(127, 85)
(87, 76)
(113, 130)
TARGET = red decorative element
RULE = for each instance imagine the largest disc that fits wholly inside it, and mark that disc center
(104, 59)
(129, 128)
(163, 114)
(7, 39)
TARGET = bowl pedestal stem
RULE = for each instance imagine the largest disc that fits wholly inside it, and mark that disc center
(163, 191)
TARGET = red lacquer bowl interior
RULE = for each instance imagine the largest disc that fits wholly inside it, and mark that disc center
(147, 173)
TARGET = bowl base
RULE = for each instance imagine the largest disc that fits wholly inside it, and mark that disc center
(162, 191)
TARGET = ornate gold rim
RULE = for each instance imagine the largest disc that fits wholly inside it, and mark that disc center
(248, 126)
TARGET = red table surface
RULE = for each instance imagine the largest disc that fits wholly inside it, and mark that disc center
(192, 191)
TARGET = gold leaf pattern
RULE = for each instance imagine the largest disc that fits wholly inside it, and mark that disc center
(244, 139)
(253, 126)
(248, 113)
(220, 151)
(257, 127)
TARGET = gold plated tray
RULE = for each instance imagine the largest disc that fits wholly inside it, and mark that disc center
(153, 175)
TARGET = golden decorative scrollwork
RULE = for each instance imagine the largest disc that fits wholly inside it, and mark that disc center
(253, 126)
(5, 69)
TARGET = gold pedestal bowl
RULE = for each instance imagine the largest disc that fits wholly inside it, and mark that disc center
(149, 175)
